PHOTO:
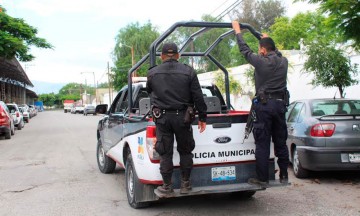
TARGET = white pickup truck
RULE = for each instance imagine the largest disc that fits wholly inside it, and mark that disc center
(223, 163)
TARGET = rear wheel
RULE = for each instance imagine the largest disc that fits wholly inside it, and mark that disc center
(12, 129)
(8, 135)
(20, 125)
(299, 171)
(131, 180)
(105, 163)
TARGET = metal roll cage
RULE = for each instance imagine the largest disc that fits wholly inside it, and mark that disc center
(205, 26)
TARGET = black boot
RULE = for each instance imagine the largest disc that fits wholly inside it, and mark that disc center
(185, 182)
(185, 186)
(284, 177)
(166, 188)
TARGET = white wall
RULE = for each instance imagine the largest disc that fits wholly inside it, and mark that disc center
(298, 83)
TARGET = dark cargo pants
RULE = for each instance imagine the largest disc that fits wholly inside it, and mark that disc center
(270, 124)
(168, 125)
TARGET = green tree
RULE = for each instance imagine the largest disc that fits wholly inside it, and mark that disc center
(235, 86)
(309, 26)
(331, 68)
(201, 44)
(236, 57)
(261, 14)
(140, 38)
(72, 91)
(344, 17)
(50, 99)
(16, 38)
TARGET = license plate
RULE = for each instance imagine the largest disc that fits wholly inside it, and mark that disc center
(223, 173)
(354, 158)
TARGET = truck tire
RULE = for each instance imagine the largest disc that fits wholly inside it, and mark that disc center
(299, 171)
(106, 164)
(131, 180)
(65, 111)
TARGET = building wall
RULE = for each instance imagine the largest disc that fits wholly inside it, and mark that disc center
(298, 82)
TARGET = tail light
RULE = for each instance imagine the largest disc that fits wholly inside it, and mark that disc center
(2, 112)
(323, 130)
(17, 114)
(150, 144)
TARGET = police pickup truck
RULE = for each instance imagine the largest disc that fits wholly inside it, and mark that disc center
(223, 163)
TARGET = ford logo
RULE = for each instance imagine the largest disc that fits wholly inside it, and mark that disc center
(222, 140)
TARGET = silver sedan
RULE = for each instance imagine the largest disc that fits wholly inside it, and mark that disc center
(324, 134)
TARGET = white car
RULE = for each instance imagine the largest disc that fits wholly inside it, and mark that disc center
(25, 113)
(17, 115)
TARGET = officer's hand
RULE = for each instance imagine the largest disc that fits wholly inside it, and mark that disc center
(264, 35)
(201, 126)
(236, 27)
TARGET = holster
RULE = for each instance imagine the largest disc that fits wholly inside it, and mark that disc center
(287, 97)
(262, 97)
(189, 116)
(156, 113)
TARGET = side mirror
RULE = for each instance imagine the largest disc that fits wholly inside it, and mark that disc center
(101, 108)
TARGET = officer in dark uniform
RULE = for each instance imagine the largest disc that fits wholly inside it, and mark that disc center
(270, 105)
(174, 90)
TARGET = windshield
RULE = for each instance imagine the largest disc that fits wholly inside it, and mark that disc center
(335, 107)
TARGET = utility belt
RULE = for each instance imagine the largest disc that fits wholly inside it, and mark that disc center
(263, 96)
(189, 116)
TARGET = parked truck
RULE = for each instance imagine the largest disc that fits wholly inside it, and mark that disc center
(39, 105)
(68, 105)
(223, 162)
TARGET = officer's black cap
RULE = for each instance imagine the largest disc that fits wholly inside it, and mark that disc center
(169, 48)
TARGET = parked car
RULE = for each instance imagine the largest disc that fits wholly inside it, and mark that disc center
(17, 116)
(324, 135)
(89, 109)
(6, 121)
(25, 113)
(33, 109)
(77, 109)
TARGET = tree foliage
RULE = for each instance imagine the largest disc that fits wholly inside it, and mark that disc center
(309, 26)
(201, 44)
(140, 38)
(72, 91)
(235, 86)
(50, 99)
(261, 14)
(331, 68)
(16, 38)
(344, 16)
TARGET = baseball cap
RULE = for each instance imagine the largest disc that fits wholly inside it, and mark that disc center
(169, 48)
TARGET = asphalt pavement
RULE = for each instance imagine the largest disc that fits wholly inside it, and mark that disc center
(49, 168)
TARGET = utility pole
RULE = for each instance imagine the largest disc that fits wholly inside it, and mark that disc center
(109, 83)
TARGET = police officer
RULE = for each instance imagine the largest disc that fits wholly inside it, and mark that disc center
(270, 106)
(174, 90)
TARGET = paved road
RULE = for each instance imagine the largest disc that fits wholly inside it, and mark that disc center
(49, 168)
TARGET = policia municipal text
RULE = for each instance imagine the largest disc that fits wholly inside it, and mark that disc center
(174, 90)
(269, 104)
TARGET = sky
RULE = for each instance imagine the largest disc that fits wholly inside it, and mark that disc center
(83, 31)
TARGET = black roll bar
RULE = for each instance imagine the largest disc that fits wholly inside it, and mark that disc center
(205, 27)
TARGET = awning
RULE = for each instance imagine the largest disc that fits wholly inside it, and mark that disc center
(12, 72)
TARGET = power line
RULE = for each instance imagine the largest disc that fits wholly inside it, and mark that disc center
(219, 7)
(228, 9)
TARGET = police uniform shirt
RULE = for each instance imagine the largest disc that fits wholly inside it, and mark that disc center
(174, 86)
(270, 70)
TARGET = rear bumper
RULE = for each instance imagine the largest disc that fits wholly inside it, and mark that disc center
(326, 158)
